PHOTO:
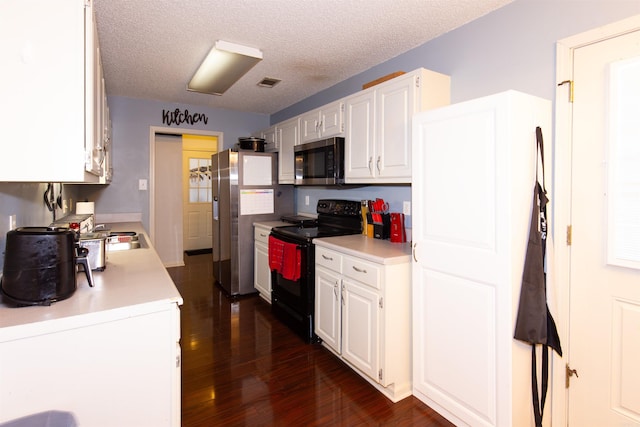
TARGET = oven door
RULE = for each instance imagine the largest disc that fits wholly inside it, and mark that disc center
(292, 300)
(320, 162)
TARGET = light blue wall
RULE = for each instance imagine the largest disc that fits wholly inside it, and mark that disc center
(26, 202)
(511, 48)
(131, 120)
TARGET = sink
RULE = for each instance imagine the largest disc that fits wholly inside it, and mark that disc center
(125, 241)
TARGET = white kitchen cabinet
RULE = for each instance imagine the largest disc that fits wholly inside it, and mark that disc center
(324, 122)
(261, 270)
(474, 174)
(272, 144)
(362, 308)
(288, 133)
(97, 370)
(50, 90)
(378, 146)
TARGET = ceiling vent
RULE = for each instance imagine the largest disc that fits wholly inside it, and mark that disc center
(268, 82)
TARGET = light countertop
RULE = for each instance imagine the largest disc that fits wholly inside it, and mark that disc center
(133, 282)
(374, 250)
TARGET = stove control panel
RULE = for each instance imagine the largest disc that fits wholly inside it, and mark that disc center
(339, 207)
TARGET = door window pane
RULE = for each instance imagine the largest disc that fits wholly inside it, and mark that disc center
(199, 180)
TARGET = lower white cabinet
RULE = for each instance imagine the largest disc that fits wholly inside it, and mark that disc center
(261, 271)
(362, 310)
(113, 368)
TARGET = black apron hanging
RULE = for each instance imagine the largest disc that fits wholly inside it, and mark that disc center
(534, 323)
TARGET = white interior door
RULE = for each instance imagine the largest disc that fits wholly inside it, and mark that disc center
(167, 199)
(197, 196)
(604, 344)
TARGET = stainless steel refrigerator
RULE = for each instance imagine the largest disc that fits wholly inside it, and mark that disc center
(245, 190)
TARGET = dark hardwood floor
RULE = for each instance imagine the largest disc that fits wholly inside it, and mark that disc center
(242, 367)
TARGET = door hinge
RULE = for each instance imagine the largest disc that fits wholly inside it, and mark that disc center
(380, 302)
(568, 374)
(380, 375)
(570, 82)
(569, 234)
(417, 81)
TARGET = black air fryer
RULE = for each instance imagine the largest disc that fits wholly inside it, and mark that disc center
(39, 266)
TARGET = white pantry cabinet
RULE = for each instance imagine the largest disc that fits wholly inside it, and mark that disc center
(50, 92)
(362, 308)
(474, 175)
(323, 122)
(288, 133)
(378, 125)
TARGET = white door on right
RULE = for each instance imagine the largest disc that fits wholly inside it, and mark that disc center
(604, 344)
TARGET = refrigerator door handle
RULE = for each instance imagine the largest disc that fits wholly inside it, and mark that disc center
(215, 209)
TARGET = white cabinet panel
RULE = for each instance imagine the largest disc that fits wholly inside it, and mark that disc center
(323, 122)
(289, 136)
(327, 308)
(474, 173)
(51, 92)
(360, 328)
(107, 374)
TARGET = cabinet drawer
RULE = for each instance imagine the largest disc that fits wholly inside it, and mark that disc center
(329, 259)
(362, 271)
(261, 235)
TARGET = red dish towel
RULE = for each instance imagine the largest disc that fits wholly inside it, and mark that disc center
(285, 258)
(276, 253)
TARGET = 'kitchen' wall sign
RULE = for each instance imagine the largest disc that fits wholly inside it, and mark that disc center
(178, 117)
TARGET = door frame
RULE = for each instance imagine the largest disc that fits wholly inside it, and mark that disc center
(153, 130)
(562, 189)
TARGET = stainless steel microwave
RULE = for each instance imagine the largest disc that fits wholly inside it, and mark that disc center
(320, 162)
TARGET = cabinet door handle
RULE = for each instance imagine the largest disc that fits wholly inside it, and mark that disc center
(415, 245)
(358, 270)
(370, 164)
(327, 257)
(343, 303)
(263, 235)
(378, 164)
(335, 290)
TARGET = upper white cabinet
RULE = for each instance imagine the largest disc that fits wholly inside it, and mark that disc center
(473, 181)
(378, 125)
(271, 142)
(323, 122)
(50, 91)
(288, 133)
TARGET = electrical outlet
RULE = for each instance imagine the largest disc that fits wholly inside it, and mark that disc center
(142, 184)
(12, 222)
(306, 200)
(406, 208)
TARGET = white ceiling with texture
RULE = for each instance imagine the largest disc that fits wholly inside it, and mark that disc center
(151, 48)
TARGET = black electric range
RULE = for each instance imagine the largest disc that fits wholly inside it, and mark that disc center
(292, 299)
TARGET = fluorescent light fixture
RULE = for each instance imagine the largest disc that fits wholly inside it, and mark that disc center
(223, 66)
